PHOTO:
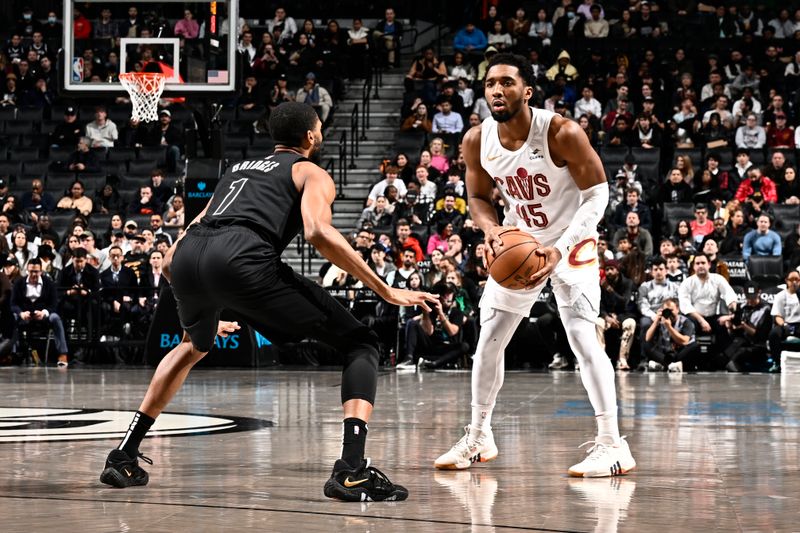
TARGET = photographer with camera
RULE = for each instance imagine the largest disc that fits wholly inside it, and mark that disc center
(436, 334)
(749, 327)
(786, 314)
(670, 341)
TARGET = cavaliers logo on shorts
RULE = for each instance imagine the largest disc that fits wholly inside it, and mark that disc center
(583, 254)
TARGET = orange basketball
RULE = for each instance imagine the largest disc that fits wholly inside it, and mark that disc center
(515, 261)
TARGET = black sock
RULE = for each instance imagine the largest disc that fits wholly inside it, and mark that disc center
(353, 441)
(136, 431)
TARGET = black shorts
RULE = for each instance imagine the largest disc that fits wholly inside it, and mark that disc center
(233, 268)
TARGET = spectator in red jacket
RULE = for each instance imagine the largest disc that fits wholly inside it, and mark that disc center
(82, 26)
(755, 182)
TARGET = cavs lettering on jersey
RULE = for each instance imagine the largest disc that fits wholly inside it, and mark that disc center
(540, 197)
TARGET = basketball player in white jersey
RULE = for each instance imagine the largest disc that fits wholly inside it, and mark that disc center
(554, 188)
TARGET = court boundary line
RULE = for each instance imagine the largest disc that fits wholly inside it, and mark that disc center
(289, 511)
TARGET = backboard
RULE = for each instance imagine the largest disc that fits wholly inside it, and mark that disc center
(190, 42)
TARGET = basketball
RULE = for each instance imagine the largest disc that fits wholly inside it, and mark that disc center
(515, 261)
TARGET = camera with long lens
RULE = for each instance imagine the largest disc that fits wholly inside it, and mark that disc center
(667, 313)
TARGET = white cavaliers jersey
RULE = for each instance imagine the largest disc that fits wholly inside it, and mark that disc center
(540, 197)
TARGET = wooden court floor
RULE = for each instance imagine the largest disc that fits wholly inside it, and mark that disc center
(250, 450)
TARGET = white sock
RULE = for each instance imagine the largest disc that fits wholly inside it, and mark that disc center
(482, 417)
(608, 428)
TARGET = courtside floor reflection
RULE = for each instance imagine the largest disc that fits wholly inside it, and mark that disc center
(245, 450)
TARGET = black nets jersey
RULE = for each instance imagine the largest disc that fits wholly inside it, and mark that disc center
(261, 195)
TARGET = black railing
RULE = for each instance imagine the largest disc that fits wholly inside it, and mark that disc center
(342, 162)
(375, 77)
(365, 107)
(354, 135)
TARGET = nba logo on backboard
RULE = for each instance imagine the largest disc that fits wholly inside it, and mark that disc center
(77, 69)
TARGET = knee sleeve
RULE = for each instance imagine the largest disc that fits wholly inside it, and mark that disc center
(360, 373)
(597, 373)
(488, 366)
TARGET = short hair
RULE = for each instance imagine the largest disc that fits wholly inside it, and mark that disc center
(38, 261)
(702, 254)
(79, 253)
(658, 261)
(514, 60)
(442, 288)
(115, 246)
(630, 190)
(156, 251)
(673, 301)
(290, 121)
(402, 222)
(714, 156)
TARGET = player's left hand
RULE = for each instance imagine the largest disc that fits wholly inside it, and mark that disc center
(551, 256)
(410, 298)
(224, 328)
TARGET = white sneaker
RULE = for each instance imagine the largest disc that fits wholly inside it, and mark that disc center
(677, 366)
(604, 460)
(474, 447)
(655, 366)
(407, 365)
(558, 363)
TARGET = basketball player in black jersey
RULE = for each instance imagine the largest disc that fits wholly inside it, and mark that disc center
(229, 258)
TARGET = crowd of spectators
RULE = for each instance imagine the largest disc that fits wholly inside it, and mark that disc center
(91, 178)
(692, 107)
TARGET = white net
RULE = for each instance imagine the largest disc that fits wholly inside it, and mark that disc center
(145, 89)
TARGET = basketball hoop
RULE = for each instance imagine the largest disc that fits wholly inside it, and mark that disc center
(145, 89)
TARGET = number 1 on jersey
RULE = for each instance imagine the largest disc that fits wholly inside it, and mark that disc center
(236, 188)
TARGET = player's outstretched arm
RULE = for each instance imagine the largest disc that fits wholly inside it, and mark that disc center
(570, 146)
(318, 195)
(480, 186)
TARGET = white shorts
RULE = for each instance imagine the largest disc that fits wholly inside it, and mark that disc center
(569, 284)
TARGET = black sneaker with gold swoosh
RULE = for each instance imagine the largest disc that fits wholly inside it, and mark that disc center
(122, 470)
(363, 484)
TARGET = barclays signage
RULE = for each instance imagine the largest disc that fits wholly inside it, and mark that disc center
(239, 349)
(200, 191)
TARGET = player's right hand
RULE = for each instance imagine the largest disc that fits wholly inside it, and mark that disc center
(408, 298)
(494, 237)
